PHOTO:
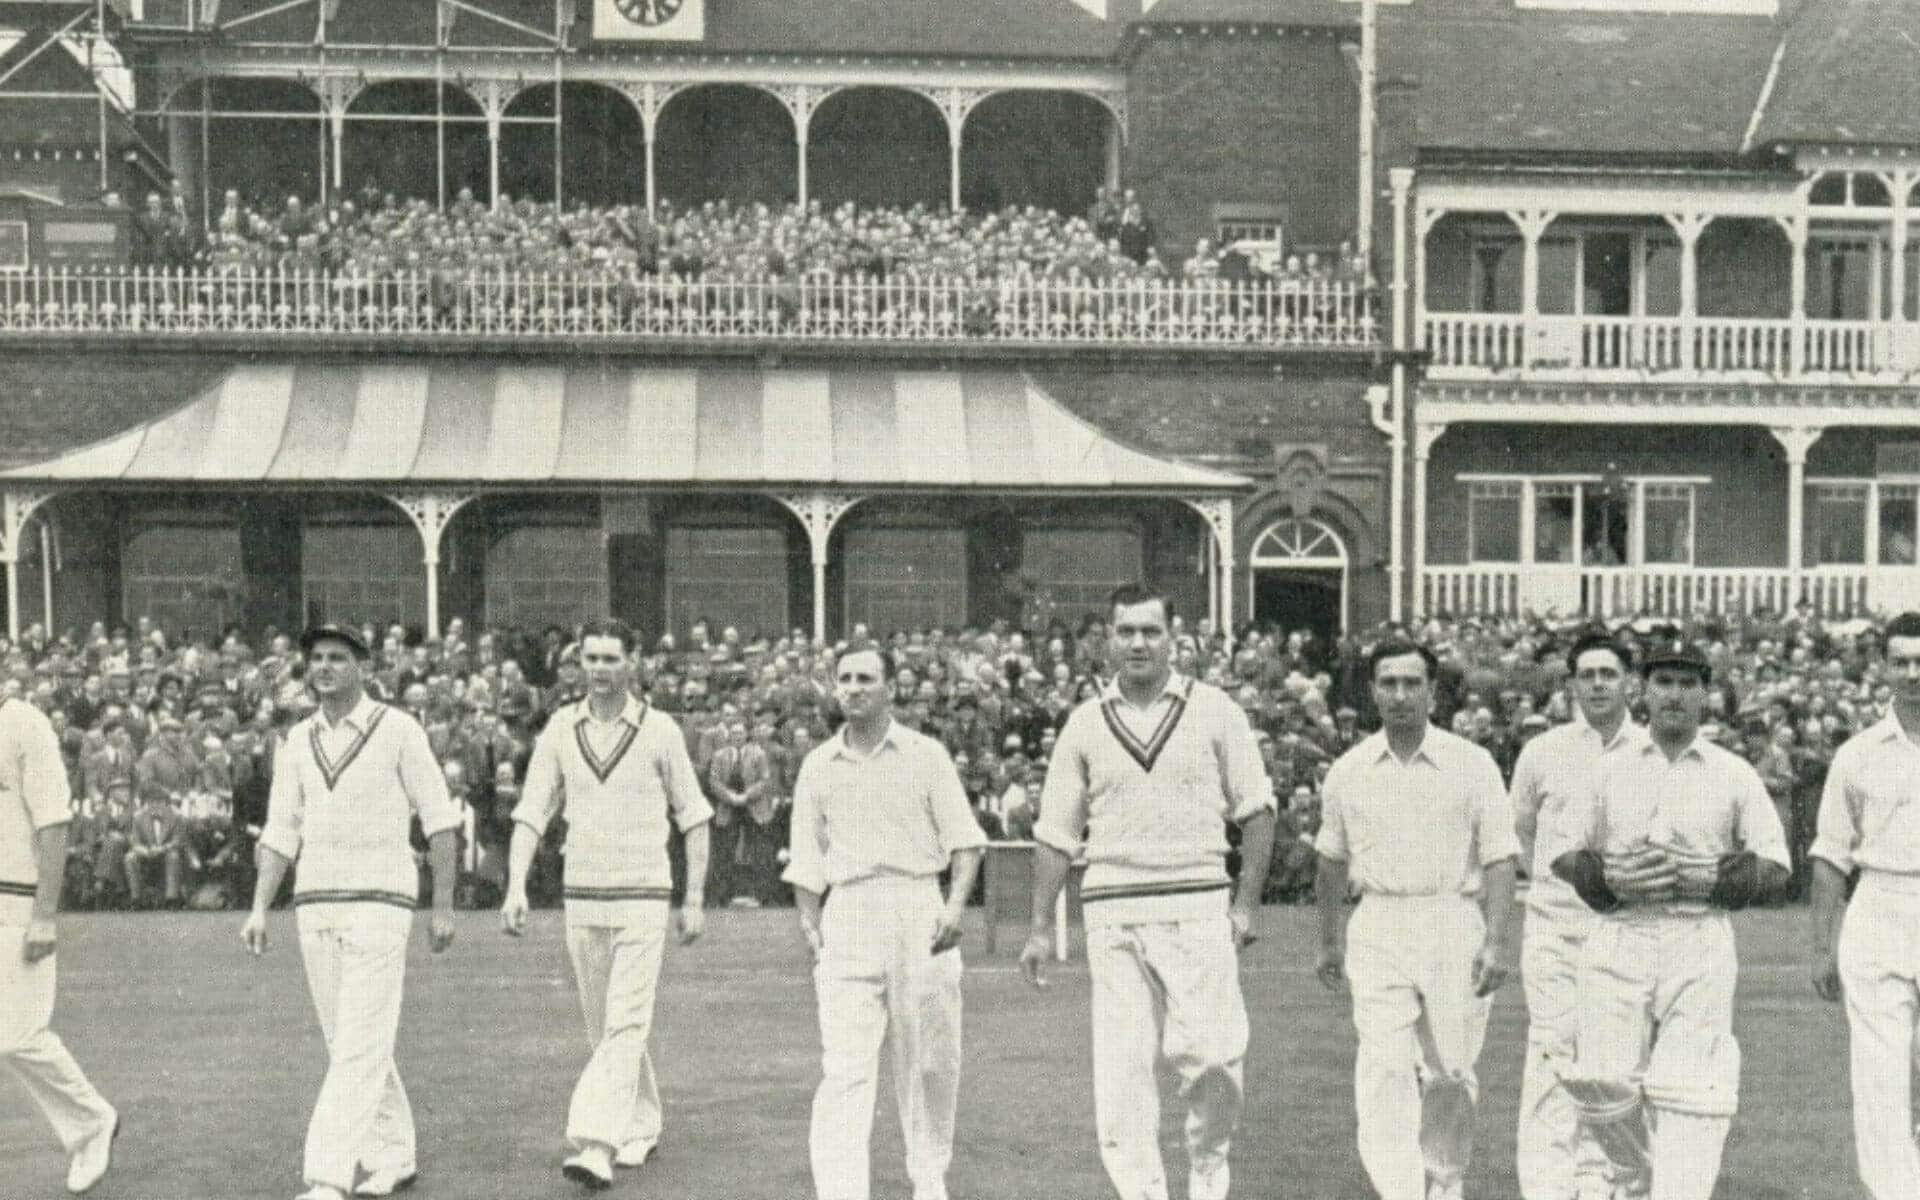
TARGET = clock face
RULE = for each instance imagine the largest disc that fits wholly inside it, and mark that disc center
(648, 12)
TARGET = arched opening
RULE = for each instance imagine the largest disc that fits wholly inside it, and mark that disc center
(602, 147)
(725, 142)
(262, 139)
(878, 147)
(415, 139)
(1042, 148)
(1300, 578)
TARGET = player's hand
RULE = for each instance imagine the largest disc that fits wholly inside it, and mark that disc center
(815, 943)
(693, 923)
(40, 940)
(1491, 970)
(1332, 968)
(254, 932)
(1643, 875)
(513, 914)
(947, 934)
(1826, 976)
(1242, 921)
(440, 931)
(1033, 956)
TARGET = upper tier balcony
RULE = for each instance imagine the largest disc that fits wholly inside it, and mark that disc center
(407, 307)
(1669, 349)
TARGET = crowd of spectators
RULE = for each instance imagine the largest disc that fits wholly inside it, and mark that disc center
(376, 234)
(170, 742)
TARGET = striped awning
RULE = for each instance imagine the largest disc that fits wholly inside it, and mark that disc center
(511, 424)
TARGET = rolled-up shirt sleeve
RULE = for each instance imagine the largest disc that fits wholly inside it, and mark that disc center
(540, 795)
(806, 867)
(685, 798)
(286, 805)
(1837, 834)
(1062, 823)
(1242, 771)
(43, 776)
(1492, 814)
(1760, 829)
(1331, 842)
(953, 819)
(425, 785)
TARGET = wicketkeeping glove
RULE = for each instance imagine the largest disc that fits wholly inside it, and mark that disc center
(1588, 874)
(1739, 881)
(1645, 874)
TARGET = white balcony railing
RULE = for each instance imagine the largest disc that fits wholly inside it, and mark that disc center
(1615, 593)
(1489, 345)
(556, 307)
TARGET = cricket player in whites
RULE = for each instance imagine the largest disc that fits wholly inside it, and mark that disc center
(1678, 833)
(1143, 780)
(1555, 771)
(34, 814)
(1417, 818)
(1869, 950)
(346, 784)
(878, 813)
(621, 772)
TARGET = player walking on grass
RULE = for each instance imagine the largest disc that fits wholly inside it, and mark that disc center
(346, 784)
(1868, 951)
(1678, 833)
(1555, 773)
(1143, 780)
(620, 771)
(35, 808)
(1418, 820)
(878, 813)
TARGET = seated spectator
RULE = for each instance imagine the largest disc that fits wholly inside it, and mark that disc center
(157, 847)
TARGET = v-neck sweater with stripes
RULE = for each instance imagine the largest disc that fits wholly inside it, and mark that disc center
(344, 795)
(1146, 795)
(619, 782)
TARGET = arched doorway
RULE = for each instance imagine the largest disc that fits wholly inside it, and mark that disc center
(1300, 578)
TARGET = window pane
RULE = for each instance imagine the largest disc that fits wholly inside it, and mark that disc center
(1669, 529)
(1556, 275)
(1493, 529)
(1837, 528)
(1553, 524)
(1663, 277)
(1897, 510)
(1603, 533)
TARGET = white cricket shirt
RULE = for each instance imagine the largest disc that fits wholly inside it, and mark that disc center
(34, 795)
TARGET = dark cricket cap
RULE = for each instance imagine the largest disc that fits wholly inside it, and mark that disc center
(337, 633)
(1675, 652)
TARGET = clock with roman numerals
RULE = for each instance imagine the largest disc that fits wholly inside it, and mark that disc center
(648, 12)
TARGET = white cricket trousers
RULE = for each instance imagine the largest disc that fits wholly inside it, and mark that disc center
(1880, 969)
(1657, 1069)
(1165, 989)
(34, 1054)
(617, 969)
(876, 978)
(1552, 1157)
(1421, 1028)
(356, 957)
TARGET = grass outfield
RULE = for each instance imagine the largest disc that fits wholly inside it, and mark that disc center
(215, 1060)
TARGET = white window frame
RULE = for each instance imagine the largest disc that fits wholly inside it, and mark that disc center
(1531, 487)
(1874, 487)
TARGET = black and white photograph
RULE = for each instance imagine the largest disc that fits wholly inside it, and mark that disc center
(960, 599)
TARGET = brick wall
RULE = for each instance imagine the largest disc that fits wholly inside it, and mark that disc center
(1220, 117)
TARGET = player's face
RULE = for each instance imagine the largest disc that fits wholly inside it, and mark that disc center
(860, 684)
(1600, 686)
(1903, 668)
(605, 665)
(1139, 645)
(1402, 692)
(332, 669)
(1676, 700)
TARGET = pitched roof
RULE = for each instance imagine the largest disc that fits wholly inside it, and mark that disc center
(1547, 82)
(1850, 73)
